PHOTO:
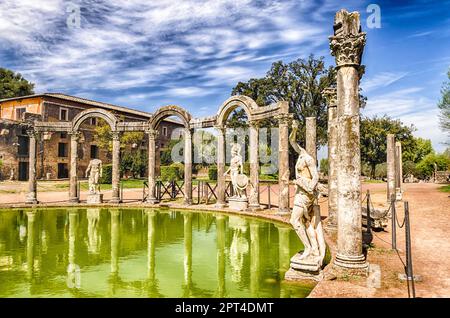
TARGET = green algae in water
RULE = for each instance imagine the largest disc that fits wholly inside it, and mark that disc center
(143, 253)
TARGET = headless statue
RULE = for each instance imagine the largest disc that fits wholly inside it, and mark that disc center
(94, 171)
(305, 218)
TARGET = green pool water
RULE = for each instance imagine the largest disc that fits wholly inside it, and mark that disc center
(143, 253)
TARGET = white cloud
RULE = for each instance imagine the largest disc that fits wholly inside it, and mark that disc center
(411, 107)
(380, 80)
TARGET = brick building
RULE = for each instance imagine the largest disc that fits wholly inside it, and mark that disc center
(54, 148)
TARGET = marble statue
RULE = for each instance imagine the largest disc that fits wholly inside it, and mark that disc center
(236, 170)
(94, 171)
(305, 217)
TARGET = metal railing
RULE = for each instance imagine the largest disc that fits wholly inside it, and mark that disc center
(367, 235)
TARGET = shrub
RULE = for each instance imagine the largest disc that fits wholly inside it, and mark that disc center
(174, 172)
(107, 174)
(212, 173)
(324, 166)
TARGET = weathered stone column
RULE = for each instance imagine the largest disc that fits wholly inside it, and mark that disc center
(253, 199)
(398, 171)
(151, 198)
(330, 95)
(187, 166)
(31, 197)
(73, 181)
(390, 166)
(115, 167)
(221, 185)
(347, 46)
(283, 159)
(311, 137)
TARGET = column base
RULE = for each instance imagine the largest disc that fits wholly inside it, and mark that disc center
(74, 200)
(187, 201)
(398, 194)
(254, 207)
(354, 264)
(220, 205)
(283, 212)
(115, 201)
(152, 201)
(31, 201)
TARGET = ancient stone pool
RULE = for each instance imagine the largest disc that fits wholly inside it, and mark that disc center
(143, 253)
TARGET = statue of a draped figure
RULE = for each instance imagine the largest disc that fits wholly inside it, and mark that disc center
(239, 180)
(305, 217)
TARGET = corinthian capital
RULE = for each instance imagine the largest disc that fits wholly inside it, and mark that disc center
(330, 94)
(347, 44)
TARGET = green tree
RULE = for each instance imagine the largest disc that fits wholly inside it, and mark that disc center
(301, 83)
(324, 166)
(422, 147)
(444, 106)
(374, 138)
(425, 167)
(13, 84)
(132, 159)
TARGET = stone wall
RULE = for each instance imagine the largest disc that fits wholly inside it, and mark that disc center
(47, 150)
(442, 177)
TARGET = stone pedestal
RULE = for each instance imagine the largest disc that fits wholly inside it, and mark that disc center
(238, 204)
(95, 198)
(303, 269)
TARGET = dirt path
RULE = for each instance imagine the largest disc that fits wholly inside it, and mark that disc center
(429, 213)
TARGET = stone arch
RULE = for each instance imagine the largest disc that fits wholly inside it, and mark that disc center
(167, 111)
(245, 102)
(109, 117)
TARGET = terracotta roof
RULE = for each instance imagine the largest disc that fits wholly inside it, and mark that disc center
(84, 101)
(93, 103)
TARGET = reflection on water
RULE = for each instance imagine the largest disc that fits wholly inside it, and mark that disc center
(143, 253)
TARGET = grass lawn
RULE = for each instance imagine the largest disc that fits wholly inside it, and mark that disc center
(373, 181)
(445, 188)
(127, 184)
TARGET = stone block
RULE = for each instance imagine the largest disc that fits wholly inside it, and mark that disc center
(95, 198)
(238, 204)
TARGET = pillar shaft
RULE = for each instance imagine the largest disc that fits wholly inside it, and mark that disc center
(331, 97)
(398, 170)
(73, 181)
(31, 197)
(151, 198)
(187, 166)
(115, 168)
(347, 46)
(390, 166)
(283, 159)
(220, 166)
(311, 137)
(254, 166)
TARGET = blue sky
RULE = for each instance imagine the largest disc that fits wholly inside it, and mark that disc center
(145, 54)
